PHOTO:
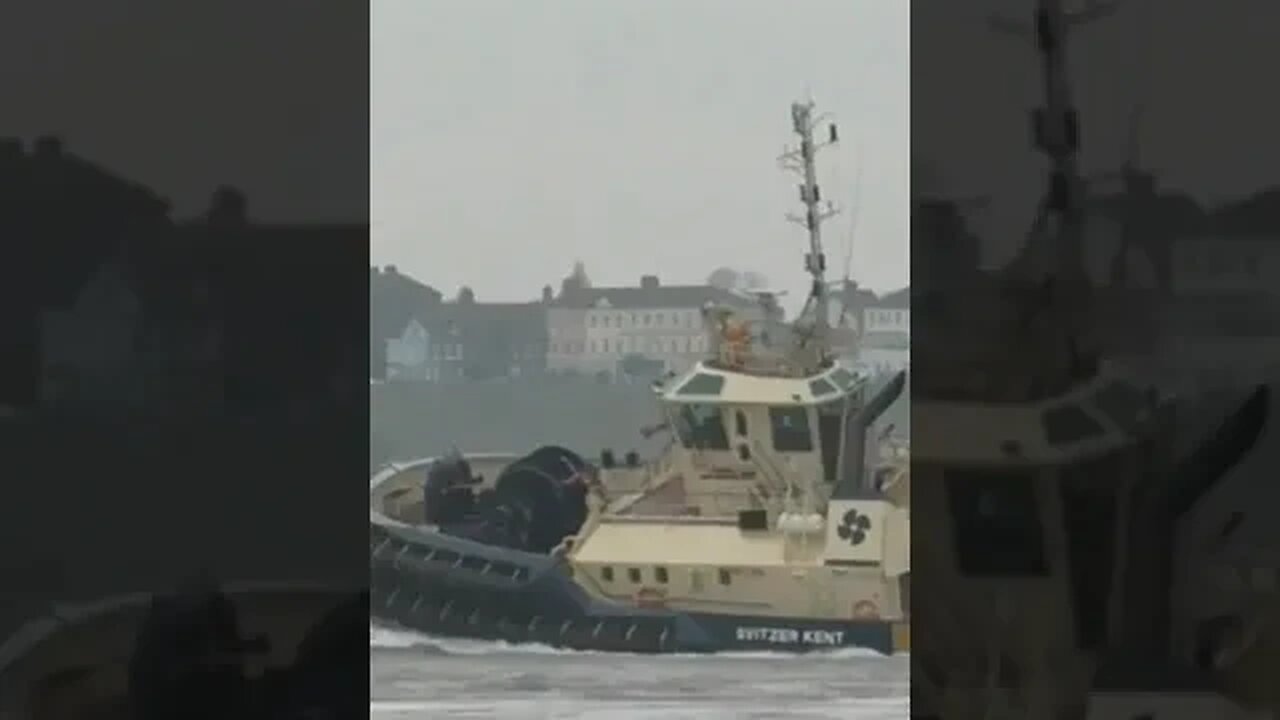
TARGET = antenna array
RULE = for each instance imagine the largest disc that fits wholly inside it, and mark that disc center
(800, 160)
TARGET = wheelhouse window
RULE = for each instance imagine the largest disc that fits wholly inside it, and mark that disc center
(660, 574)
(702, 384)
(844, 377)
(701, 427)
(606, 573)
(820, 387)
(633, 574)
(1069, 424)
(997, 525)
(790, 428)
(1123, 404)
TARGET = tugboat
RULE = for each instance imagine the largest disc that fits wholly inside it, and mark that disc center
(758, 528)
(1055, 495)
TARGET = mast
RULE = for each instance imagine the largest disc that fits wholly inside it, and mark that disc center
(1056, 123)
(1060, 219)
(801, 161)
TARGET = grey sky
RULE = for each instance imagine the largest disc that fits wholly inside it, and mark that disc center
(1197, 68)
(510, 138)
(606, 123)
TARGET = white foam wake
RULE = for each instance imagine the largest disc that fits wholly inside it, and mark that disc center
(577, 709)
(382, 637)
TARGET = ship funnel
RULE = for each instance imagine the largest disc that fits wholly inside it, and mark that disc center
(851, 483)
(1200, 472)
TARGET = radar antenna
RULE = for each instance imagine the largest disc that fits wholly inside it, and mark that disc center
(801, 161)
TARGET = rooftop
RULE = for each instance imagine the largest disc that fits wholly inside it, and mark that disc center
(650, 294)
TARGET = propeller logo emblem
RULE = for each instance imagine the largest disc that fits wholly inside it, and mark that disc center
(853, 527)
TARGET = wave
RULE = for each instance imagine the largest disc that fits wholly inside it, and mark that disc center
(388, 638)
(576, 709)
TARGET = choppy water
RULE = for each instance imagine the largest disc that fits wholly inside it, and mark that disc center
(415, 676)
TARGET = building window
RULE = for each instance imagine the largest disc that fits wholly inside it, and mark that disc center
(647, 319)
(660, 574)
(593, 346)
(604, 346)
(617, 320)
(606, 573)
(633, 574)
(592, 321)
(740, 422)
(633, 320)
(725, 577)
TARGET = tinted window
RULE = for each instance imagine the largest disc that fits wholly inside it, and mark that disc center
(702, 384)
(1122, 403)
(790, 427)
(844, 377)
(997, 524)
(1069, 424)
(701, 427)
(821, 387)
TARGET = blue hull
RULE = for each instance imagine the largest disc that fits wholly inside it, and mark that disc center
(447, 586)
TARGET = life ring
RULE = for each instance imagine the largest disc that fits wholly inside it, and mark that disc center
(865, 610)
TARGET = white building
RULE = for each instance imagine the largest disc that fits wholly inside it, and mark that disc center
(407, 354)
(591, 330)
(89, 349)
(884, 345)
